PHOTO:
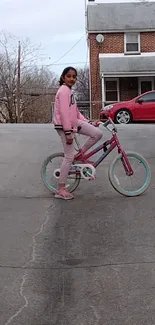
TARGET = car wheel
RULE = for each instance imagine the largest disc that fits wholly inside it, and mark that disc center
(123, 116)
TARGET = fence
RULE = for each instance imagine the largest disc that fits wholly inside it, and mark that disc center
(39, 106)
(39, 109)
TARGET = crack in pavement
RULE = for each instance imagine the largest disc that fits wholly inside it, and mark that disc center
(24, 277)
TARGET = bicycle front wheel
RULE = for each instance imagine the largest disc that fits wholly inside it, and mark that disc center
(135, 184)
(50, 173)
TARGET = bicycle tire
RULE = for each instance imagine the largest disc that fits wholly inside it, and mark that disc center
(119, 189)
(71, 188)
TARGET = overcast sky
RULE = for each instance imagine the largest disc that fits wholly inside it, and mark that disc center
(56, 24)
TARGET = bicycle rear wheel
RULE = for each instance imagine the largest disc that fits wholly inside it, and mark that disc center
(50, 173)
(134, 186)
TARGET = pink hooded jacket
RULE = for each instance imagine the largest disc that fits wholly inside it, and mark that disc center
(66, 113)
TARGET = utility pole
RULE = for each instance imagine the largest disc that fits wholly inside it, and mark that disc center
(18, 84)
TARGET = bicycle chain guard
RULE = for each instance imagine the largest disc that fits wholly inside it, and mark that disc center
(87, 171)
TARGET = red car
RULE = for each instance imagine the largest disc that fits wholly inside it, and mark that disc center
(141, 108)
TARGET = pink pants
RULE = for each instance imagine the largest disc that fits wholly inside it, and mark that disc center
(94, 134)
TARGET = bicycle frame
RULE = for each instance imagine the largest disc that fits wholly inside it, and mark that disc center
(113, 143)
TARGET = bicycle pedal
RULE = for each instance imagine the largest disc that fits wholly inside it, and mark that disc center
(92, 178)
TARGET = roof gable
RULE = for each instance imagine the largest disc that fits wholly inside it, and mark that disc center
(112, 17)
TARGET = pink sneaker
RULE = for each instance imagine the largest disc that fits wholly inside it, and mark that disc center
(63, 194)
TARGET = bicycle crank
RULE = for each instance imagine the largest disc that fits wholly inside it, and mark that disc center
(87, 171)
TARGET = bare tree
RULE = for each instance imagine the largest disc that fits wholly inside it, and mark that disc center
(38, 92)
(31, 76)
(82, 85)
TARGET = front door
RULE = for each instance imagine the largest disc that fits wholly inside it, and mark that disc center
(145, 84)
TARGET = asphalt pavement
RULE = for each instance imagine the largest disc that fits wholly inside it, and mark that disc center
(86, 262)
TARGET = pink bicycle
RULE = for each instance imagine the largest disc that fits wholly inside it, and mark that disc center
(124, 169)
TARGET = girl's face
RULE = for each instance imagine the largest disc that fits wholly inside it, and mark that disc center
(70, 78)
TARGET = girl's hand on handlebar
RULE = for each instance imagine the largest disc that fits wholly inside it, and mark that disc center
(96, 123)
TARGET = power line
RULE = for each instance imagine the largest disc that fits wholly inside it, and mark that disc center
(66, 63)
(67, 51)
(56, 64)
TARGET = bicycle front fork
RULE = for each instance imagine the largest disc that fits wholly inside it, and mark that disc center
(126, 164)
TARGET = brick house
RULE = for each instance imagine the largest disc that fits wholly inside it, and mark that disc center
(121, 40)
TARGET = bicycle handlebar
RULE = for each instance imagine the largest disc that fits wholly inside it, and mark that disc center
(109, 121)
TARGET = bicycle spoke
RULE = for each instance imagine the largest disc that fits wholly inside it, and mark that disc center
(137, 169)
(137, 180)
(131, 182)
(51, 181)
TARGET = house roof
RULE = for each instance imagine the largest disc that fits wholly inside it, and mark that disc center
(120, 64)
(113, 17)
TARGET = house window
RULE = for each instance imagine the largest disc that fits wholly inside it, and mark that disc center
(111, 90)
(131, 43)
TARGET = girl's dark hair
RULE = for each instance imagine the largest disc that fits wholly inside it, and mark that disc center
(64, 72)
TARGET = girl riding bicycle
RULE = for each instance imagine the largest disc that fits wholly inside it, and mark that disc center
(67, 121)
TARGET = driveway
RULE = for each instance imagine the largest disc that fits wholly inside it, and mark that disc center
(86, 262)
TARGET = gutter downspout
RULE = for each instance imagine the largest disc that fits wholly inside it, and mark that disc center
(88, 44)
(103, 90)
(90, 93)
